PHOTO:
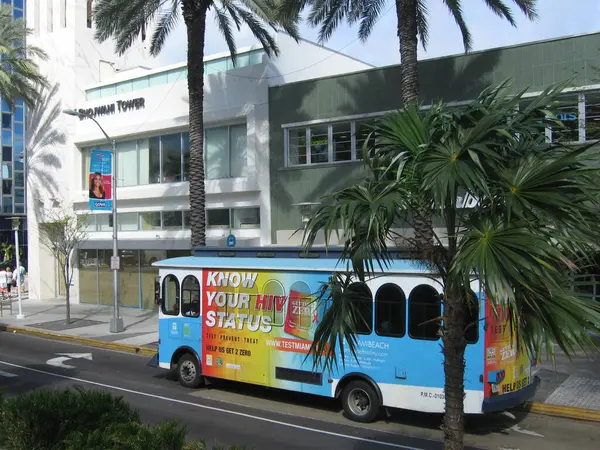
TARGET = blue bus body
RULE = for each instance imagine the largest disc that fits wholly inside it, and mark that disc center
(249, 315)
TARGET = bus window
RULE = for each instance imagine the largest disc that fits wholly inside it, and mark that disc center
(275, 288)
(390, 311)
(190, 297)
(363, 299)
(170, 305)
(472, 320)
(424, 304)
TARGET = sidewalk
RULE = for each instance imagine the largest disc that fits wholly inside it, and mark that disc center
(88, 321)
(570, 390)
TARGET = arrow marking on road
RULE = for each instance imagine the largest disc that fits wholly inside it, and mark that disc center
(7, 375)
(518, 429)
(58, 362)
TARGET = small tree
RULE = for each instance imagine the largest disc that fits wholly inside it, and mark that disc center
(63, 232)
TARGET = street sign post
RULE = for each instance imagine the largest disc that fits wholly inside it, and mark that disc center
(115, 263)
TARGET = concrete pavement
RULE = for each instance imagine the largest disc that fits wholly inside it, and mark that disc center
(572, 390)
(264, 419)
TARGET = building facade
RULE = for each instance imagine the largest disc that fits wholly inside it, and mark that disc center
(318, 126)
(12, 200)
(146, 112)
(75, 60)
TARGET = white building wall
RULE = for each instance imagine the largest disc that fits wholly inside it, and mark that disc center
(75, 60)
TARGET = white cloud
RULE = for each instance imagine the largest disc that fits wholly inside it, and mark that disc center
(556, 18)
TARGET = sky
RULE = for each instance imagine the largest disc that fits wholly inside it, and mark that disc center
(556, 18)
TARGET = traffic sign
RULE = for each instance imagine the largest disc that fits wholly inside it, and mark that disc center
(115, 263)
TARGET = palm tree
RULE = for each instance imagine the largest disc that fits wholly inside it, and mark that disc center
(533, 226)
(20, 77)
(125, 20)
(412, 28)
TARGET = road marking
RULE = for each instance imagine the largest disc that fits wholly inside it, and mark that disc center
(58, 362)
(518, 429)
(7, 375)
(213, 408)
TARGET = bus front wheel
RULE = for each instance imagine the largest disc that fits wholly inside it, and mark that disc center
(189, 371)
(360, 401)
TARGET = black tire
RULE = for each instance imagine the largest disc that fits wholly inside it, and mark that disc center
(189, 371)
(361, 402)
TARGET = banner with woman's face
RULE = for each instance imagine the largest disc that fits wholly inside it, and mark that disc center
(100, 180)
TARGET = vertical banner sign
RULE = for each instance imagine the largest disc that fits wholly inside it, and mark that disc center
(507, 364)
(100, 180)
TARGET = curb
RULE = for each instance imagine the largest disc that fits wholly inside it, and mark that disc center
(567, 412)
(138, 350)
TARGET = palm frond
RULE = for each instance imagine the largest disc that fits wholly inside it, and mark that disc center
(455, 8)
(168, 18)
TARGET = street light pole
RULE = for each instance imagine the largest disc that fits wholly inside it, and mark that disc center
(116, 323)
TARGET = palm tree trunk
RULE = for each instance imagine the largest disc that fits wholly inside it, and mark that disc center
(194, 15)
(454, 368)
(406, 12)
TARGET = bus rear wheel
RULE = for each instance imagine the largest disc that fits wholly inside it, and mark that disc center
(189, 371)
(360, 401)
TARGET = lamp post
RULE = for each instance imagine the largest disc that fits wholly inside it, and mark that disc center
(116, 323)
(15, 226)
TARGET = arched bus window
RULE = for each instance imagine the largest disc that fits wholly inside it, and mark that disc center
(472, 320)
(363, 301)
(170, 293)
(390, 311)
(424, 305)
(190, 297)
(300, 296)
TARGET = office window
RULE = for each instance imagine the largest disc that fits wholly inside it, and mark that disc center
(319, 144)
(568, 113)
(186, 220)
(186, 155)
(19, 129)
(19, 196)
(424, 305)
(7, 153)
(7, 204)
(6, 187)
(150, 220)
(297, 146)
(6, 120)
(89, 8)
(342, 141)
(390, 311)
(363, 130)
(592, 116)
(6, 170)
(153, 160)
(19, 115)
(172, 220)
(218, 218)
(127, 221)
(127, 164)
(362, 298)
(225, 149)
(19, 179)
(246, 218)
(171, 158)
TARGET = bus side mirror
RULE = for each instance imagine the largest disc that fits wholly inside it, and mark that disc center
(157, 298)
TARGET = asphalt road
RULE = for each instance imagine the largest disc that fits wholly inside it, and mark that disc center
(263, 419)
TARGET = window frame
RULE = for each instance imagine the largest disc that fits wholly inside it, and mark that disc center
(228, 126)
(388, 303)
(364, 285)
(197, 301)
(164, 281)
(412, 302)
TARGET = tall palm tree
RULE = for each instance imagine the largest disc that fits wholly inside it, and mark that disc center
(20, 77)
(412, 28)
(533, 225)
(125, 20)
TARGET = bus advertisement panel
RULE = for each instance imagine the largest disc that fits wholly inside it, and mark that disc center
(261, 322)
(507, 367)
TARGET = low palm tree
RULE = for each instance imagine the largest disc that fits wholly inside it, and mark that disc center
(126, 20)
(20, 77)
(534, 224)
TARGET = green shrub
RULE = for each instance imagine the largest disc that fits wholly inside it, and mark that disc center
(130, 436)
(43, 419)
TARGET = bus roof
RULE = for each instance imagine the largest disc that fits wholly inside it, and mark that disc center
(278, 258)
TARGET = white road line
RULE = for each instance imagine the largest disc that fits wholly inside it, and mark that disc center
(7, 375)
(212, 408)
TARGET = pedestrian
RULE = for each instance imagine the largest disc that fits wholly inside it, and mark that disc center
(19, 278)
(4, 280)
(9, 280)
